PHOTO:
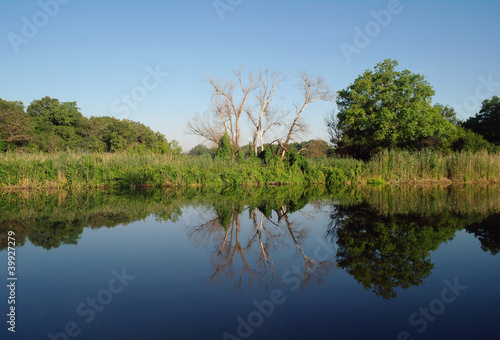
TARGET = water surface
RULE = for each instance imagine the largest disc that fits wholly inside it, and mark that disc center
(281, 263)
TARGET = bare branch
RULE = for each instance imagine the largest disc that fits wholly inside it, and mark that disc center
(334, 131)
(312, 90)
(265, 117)
(229, 108)
(206, 127)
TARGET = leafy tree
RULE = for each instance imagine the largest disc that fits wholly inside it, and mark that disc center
(386, 108)
(448, 113)
(487, 121)
(53, 125)
(56, 123)
(467, 140)
(488, 233)
(15, 125)
(316, 148)
(52, 111)
(92, 130)
(384, 252)
(201, 150)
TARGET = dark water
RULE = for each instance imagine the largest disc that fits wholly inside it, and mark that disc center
(368, 263)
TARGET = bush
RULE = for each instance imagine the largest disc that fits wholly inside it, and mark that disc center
(224, 148)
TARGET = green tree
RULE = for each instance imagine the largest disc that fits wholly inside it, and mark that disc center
(56, 124)
(15, 125)
(467, 140)
(386, 108)
(201, 150)
(316, 148)
(448, 113)
(488, 233)
(384, 252)
(487, 121)
(92, 129)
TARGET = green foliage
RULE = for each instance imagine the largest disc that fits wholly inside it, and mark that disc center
(201, 150)
(386, 252)
(386, 108)
(427, 165)
(224, 148)
(56, 124)
(138, 167)
(385, 236)
(468, 140)
(448, 113)
(314, 148)
(267, 155)
(51, 125)
(240, 155)
(15, 125)
(376, 182)
(487, 121)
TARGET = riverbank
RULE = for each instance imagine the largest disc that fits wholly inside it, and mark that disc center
(132, 170)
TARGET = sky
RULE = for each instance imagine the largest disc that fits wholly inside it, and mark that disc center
(147, 60)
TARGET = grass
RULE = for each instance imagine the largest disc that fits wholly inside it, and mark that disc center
(78, 170)
(432, 166)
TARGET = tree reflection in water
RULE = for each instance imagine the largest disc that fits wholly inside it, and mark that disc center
(254, 249)
(384, 235)
(384, 252)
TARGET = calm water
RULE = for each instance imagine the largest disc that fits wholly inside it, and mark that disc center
(278, 264)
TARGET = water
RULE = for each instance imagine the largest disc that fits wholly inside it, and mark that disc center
(373, 263)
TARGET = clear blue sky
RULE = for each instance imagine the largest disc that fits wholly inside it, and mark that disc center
(93, 52)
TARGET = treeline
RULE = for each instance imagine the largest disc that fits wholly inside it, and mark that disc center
(50, 125)
(314, 148)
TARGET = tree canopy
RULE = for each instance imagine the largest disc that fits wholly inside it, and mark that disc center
(487, 121)
(385, 108)
(51, 125)
(15, 125)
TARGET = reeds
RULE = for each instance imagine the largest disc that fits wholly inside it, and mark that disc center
(433, 166)
(124, 170)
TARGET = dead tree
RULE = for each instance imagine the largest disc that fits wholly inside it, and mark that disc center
(265, 117)
(228, 107)
(206, 127)
(312, 90)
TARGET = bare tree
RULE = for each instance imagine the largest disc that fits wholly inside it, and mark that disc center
(332, 125)
(313, 270)
(227, 107)
(254, 259)
(265, 116)
(206, 127)
(313, 89)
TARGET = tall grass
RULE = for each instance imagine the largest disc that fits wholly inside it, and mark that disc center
(432, 166)
(125, 170)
